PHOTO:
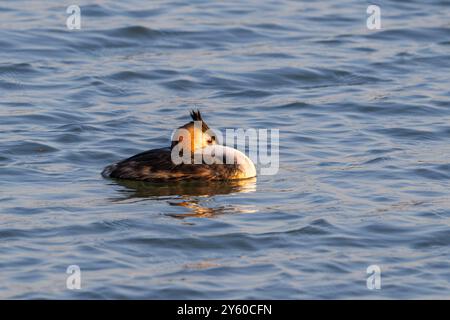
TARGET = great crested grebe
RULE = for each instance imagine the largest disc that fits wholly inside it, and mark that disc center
(193, 155)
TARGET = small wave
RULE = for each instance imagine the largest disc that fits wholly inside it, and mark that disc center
(435, 238)
(409, 134)
(136, 32)
(26, 147)
(304, 78)
(97, 10)
(412, 34)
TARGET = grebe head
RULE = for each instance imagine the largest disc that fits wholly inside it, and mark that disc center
(194, 135)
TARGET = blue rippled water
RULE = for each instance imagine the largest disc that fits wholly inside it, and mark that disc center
(364, 120)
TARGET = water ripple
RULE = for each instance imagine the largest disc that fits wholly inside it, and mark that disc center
(363, 175)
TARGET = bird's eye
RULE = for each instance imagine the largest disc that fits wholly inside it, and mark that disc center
(211, 139)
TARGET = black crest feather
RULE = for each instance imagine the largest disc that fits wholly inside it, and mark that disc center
(196, 116)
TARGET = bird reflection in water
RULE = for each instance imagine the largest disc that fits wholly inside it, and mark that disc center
(194, 195)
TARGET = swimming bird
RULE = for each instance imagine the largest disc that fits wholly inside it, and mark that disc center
(194, 154)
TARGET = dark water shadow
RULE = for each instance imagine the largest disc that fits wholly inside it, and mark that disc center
(194, 195)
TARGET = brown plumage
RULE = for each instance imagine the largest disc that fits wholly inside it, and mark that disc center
(156, 165)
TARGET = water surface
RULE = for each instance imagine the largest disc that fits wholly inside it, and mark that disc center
(364, 120)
